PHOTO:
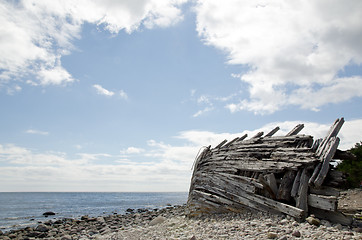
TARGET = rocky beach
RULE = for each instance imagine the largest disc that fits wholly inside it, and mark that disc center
(171, 223)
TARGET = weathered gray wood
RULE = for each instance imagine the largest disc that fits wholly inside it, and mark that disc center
(270, 178)
(314, 174)
(220, 144)
(333, 131)
(323, 202)
(327, 191)
(231, 142)
(272, 132)
(295, 130)
(267, 186)
(242, 137)
(285, 188)
(327, 156)
(335, 217)
(296, 183)
(259, 134)
(302, 196)
(247, 180)
(316, 144)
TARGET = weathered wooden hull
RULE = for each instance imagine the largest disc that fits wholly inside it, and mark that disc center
(271, 174)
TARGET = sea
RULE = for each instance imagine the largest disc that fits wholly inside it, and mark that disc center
(23, 209)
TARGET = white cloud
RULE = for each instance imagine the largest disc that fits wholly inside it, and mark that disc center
(132, 150)
(201, 112)
(38, 132)
(103, 91)
(37, 33)
(294, 50)
(123, 94)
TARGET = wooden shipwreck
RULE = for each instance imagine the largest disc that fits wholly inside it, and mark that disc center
(288, 174)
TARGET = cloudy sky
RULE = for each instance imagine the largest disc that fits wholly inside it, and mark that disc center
(109, 95)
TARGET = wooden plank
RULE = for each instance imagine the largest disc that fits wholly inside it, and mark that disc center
(323, 202)
(295, 130)
(302, 198)
(327, 191)
(316, 144)
(296, 183)
(270, 178)
(333, 132)
(315, 174)
(242, 137)
(286, 185)
(243, 178)
(231, 142)
(267, 186)
(220, 144)
(335, 217)
(326, 159)
(272, 132)
(259, 134)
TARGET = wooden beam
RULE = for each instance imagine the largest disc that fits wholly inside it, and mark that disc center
(302, 198)
(323, 202)
(259, 134)
(286, 185)
(295, 130)
(335, 217)
(272, 132)
(296, 183)
(327, 156)
(231, 142)
(220, 144)
(333, 132)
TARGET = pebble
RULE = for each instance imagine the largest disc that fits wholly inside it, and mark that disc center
(171, 223)
(272, 235)
(312, 220)
(296, 233)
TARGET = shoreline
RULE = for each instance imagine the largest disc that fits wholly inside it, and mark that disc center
(171, 223)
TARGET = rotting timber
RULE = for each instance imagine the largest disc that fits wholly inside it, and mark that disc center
(288, 174)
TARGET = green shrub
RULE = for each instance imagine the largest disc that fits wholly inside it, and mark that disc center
(353, 168)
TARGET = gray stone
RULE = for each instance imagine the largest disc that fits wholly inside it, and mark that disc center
(312, 220)
(66, 237)
(272, 235)
(42, 228)
(296, 233)
(157, 220)
(284, 221)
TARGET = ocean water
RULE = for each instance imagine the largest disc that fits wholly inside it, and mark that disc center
(18, 210)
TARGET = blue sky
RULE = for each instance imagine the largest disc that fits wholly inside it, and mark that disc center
(121, 95)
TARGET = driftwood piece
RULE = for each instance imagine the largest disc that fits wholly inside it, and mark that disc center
(231, 142)
(267, 186)
(295, 130)
(333, 131)
(296, 183)
(327, 156)
(242, 137)
(326, 191)
(332, 216)
(286, 185)
(259, 134)
(272, 132)
(270, 178)
(314, 174)
(302, 196)
(322, 202)
(220, 144)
